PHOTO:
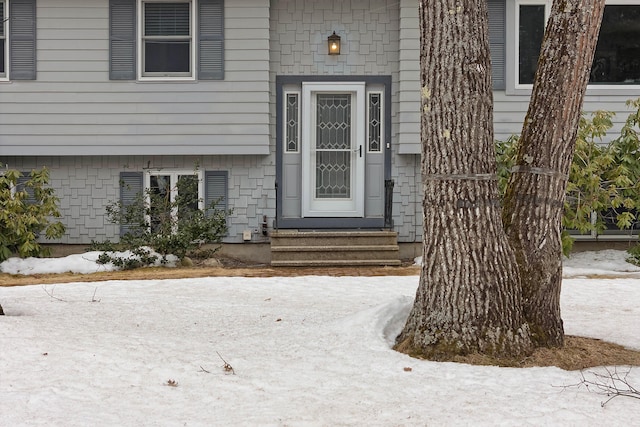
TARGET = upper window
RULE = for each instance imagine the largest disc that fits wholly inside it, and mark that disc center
(166, 39)
(166, 45)
(617, 56)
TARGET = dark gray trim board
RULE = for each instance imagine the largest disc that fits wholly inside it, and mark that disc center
(330, 223)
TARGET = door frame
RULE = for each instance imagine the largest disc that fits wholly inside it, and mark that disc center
(328, 222)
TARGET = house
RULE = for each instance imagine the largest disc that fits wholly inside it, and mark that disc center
(246, 93)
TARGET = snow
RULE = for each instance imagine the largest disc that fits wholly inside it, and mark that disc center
(84, 263)
(305, 351)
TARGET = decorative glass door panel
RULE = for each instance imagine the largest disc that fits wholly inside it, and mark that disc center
(333, 146)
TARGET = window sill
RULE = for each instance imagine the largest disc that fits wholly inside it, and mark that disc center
(142, 79)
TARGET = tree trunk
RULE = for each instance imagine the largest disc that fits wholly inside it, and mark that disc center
(469, 296)
(536, 191)
(1, 311)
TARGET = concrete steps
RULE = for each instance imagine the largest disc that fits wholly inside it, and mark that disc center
(334, 248)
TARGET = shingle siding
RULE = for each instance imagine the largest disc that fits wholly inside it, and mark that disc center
(87, 184)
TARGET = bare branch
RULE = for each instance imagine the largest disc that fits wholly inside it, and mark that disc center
(93, 298)
(51, 293)
(611, 384)
(227, 368)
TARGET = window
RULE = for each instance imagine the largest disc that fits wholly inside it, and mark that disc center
(165, 189)
(17, 39)
(531, 19)
(374, 122)
(617, 56)
(610, 218)
(166, 40)
(292, 122)
(195, 189)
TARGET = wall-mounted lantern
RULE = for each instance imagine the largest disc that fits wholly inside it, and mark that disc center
(334, 44)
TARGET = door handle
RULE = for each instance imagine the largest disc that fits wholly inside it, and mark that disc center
(360, 149)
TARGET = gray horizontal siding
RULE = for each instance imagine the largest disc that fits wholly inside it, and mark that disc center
(510, 110)
(130, 132)
(14, 92)
(86, 72)
(84, 145)
(74, 109)
(81, 119)
(408, 125)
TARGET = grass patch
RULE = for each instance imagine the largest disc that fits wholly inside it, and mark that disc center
(578, 353)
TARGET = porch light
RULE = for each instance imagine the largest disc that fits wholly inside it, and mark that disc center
(334, 44)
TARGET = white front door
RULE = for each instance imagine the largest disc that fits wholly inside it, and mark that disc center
(333, 149)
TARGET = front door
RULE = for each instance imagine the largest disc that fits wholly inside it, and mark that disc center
(333, 149)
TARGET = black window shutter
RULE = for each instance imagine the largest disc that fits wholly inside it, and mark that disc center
(22, 39)
(216, 189)
(131, 188)
(497, 38)
(211, 39)
(122, 39)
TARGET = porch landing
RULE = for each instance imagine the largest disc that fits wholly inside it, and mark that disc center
(292, 248)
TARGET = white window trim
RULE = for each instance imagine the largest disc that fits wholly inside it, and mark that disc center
(139, 47)
(5, 25)
(512, 45)
(174, 174)
(516, 38)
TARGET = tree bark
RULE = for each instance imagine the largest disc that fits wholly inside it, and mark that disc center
(536, 191)
(469, 296)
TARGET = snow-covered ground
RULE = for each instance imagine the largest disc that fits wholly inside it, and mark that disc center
(305, 351)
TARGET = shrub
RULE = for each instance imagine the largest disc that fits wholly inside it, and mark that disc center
(27, 207)
(604, 179)
(634, 255)
(168, 227)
